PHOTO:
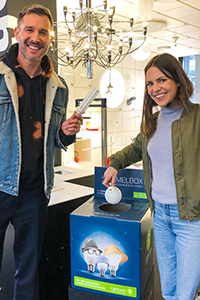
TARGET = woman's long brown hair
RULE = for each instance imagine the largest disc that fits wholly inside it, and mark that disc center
(172, 68)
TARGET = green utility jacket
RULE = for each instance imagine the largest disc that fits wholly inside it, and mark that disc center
(186, 161)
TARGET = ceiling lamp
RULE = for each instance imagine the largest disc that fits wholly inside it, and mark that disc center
(143, 10)
(142, 53)
(90, 35)
(165, 1)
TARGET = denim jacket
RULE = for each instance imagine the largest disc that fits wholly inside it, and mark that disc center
(10, 141)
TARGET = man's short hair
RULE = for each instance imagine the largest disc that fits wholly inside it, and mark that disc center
(37, 9)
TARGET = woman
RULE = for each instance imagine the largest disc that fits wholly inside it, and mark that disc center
(169, 146)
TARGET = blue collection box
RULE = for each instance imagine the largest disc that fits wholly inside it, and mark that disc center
(111, 245)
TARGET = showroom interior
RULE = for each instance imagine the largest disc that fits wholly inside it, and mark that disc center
(171, 26)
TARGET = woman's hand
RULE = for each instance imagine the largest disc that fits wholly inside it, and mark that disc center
(110, 176)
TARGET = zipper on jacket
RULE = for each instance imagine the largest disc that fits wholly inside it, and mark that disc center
(182, 177)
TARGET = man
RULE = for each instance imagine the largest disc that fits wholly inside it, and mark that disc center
(33, 102)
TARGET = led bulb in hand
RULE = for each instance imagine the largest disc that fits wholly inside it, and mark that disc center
(113, 195)
(87, 101)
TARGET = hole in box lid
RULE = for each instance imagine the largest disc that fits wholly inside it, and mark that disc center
(119, 207)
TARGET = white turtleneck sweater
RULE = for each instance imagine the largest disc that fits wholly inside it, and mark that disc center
(160, 152)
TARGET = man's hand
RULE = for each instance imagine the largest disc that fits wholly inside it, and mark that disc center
(72, 125)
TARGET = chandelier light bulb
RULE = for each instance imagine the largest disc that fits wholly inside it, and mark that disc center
(113, 195)
(131, 19)
(130, 35)
(145, 28)
(73, 39)
(87, 46)
(120, 45)
(130, 39)
(65, 11)
(70, 26)
(110, 12)
(95, 28)
(67, 49)
(145, 24)
(105, 4)
(109, 48)
(81, 3)
(73, 15)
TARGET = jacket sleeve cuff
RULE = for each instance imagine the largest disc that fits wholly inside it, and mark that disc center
(115, 163)
(66, 139)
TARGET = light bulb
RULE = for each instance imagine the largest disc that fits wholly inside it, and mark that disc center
(113, 195)
(87, 101)
(110, 11)
(102, 265)
(87, 46)
(90, 253)
(109, 48)
(114, 260)
(115, 257)
(67, 49)
(90, 259)
(145, 24)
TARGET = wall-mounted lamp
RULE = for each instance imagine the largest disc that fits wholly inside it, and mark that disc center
(112, 87)
(129, 101)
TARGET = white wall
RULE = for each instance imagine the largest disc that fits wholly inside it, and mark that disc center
(123, 123)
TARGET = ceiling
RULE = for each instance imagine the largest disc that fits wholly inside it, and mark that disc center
(181, 20)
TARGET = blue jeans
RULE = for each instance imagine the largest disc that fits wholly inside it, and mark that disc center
(178, 253)
(27, 213)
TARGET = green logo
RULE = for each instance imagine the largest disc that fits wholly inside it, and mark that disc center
(139, 195)
(148, 241)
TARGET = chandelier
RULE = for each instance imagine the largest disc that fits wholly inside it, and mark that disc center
(90, 35)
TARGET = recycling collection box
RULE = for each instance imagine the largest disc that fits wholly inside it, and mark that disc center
(111, 245)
